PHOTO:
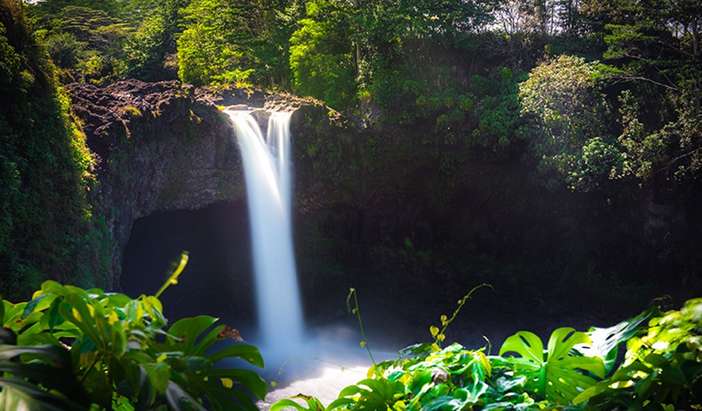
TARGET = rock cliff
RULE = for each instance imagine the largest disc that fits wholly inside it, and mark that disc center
(167, 145)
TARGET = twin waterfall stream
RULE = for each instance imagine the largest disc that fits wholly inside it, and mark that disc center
(268, 175)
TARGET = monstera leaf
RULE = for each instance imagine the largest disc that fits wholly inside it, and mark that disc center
(560, 373)
(210, 369)
(605, 342)
(312, 404)
(369, 395)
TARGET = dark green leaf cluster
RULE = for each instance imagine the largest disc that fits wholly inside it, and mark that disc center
(74, 349)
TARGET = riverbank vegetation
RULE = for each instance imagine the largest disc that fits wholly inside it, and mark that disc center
(73, 349)
(46, 223)
(649, 362)
(606, 94)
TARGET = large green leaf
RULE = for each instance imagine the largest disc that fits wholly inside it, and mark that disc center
(560, 373)
(18, 394)
(249, 379)
(187, 330)
(312, 403)
(605, 342)
(246, 352)
(50, 354)
(369, 395)
(208, 340)
(159, 375)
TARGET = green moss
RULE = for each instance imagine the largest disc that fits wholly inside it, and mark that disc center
(132, 111)
(45, 167)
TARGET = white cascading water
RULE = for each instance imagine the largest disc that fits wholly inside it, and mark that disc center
(268, 169)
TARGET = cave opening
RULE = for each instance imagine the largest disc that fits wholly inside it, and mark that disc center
(218, 279)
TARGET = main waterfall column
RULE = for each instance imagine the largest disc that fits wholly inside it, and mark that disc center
(267, 169)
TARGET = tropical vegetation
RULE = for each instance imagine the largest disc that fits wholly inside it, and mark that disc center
(598, 97)
(73, 349)
(650, 362)
(574, 125)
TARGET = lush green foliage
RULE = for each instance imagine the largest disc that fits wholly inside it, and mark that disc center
(74, 349)
(662, 365)
(577, 370)
(99, 42)
(321, 56)
(46, 225)
(85, 43)
(235, 42)
(593, 96)
(570, 115)
(632, 118)
(206, 54)
(149, 48)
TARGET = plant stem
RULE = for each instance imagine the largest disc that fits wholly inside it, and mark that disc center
(173, 278)
(461, 303)
(356, 311)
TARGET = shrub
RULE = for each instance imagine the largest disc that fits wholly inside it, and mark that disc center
(661, 370)
(568, 109)
(65, 49)
(321, 60)
(76, 349)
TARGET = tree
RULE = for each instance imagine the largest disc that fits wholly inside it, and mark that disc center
(653, 52)
(321, 55)
(86, 42)
(236, 41)
(569, 110)
(564, 97)
(148, 47)
(215, 46)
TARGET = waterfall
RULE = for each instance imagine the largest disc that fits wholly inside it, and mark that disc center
(267, 170)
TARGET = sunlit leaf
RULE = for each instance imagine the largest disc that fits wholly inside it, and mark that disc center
(559, 374)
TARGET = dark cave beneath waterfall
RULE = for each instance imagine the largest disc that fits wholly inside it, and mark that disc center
(218, 280)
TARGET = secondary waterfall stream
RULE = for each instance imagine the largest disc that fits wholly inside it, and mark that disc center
(268, 169)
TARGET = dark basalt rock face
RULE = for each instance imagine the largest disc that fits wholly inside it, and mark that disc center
(167, 145)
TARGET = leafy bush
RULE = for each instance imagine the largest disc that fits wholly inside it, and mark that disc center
(205, 54)
(661, 370)
(153, 40)
(321, 60)
(564, 97)
(65, 49)
(76, 33)
(568, 109)
(662, 365)
(74, 349)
